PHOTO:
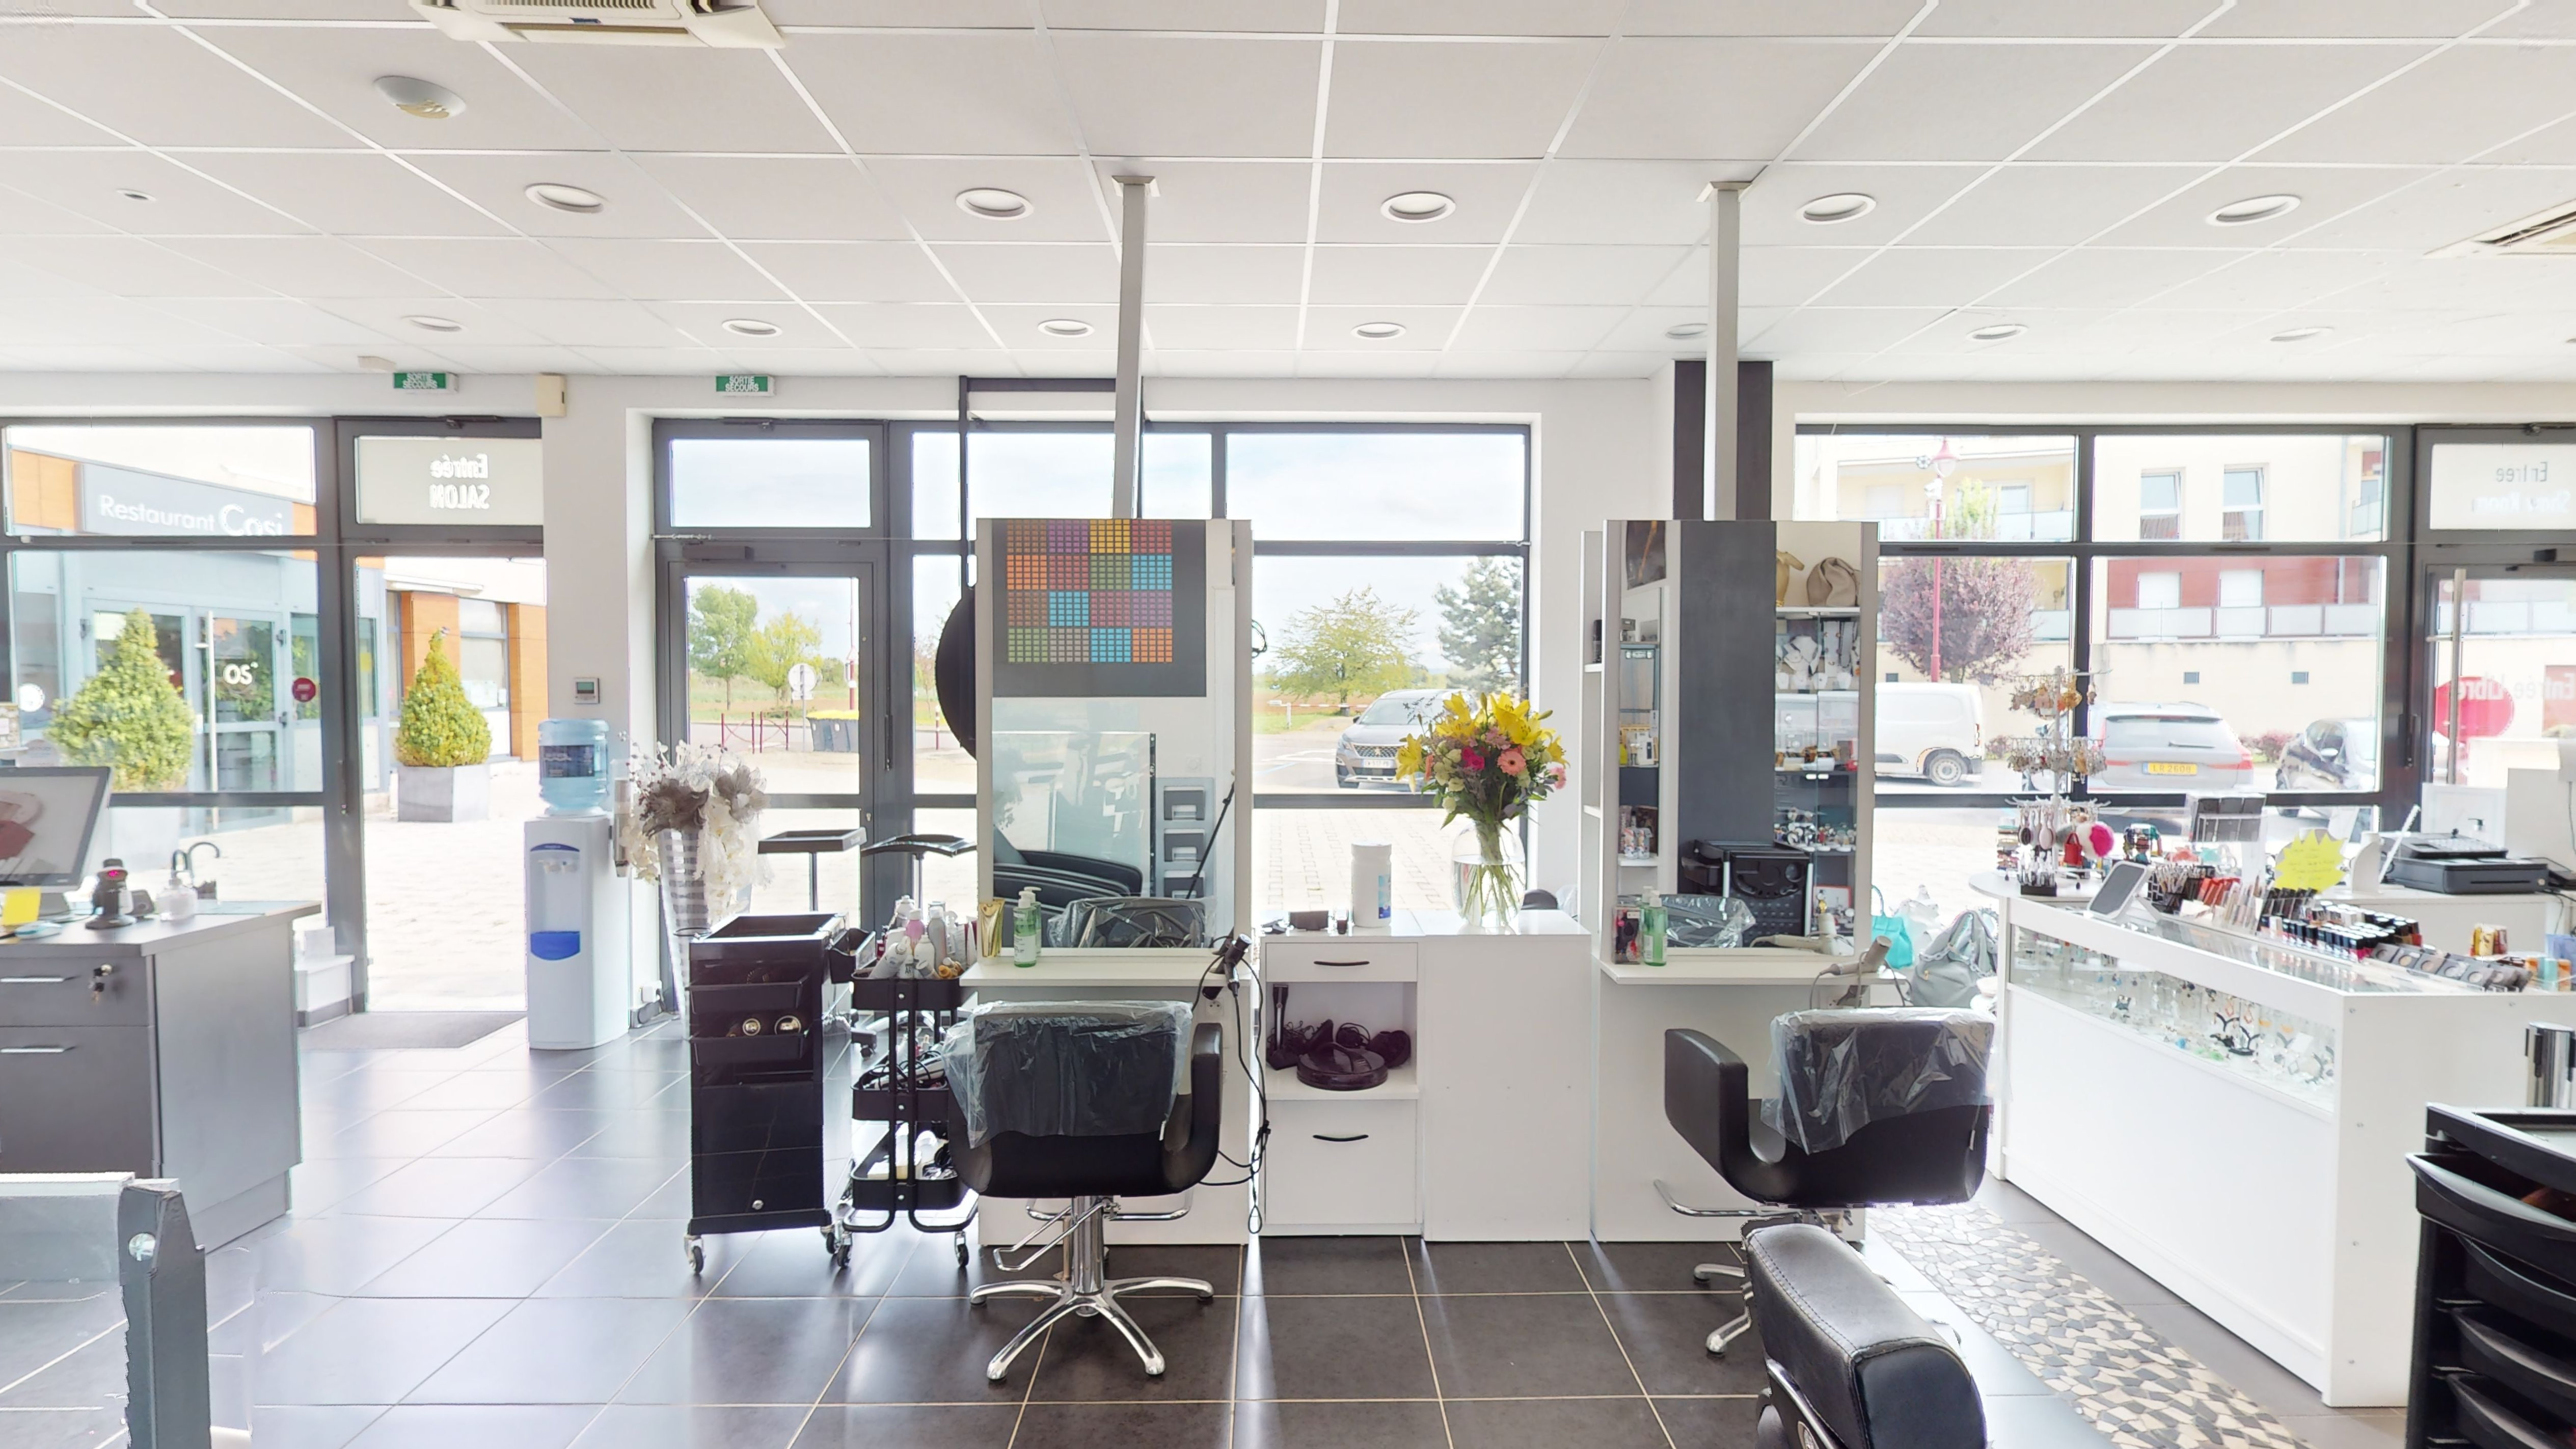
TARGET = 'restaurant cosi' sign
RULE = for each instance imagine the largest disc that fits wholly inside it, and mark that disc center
(451, 481)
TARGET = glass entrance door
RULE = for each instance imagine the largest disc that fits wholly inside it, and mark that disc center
(2503, 686)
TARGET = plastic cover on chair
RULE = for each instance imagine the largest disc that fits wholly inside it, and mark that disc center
(1706, 920)
(1842, 1070)
(1133, 923)
(1067, 1068)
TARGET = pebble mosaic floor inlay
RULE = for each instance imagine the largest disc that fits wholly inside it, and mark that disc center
(2142, 1391)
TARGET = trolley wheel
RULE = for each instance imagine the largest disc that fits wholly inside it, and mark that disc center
(836, 1242)
(962, 1254)
(697, 1250)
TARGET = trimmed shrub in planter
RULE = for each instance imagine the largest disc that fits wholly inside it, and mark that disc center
(129, 716)
(441, 746)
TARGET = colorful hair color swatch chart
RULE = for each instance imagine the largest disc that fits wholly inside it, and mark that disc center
(1101, 606)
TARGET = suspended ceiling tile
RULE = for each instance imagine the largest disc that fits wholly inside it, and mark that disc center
(482, 328)
(1228, 362)
(22, 214)
(588, 322)
(658, 362)
(1624, 275)
(1148, 95)
(1216, 274)
(2445, 207)
(17, 279)
(1355, 192)
(1292, 16)
(669, 271)
(1216, 201)
(2104, 277)
(1367, 364)
(1864, 19)
(862, 271)
(1531, 364)
(1940, 276)
(335, 70)
(779, 197)
(952, 14)
(1647, 329)
(484, 267)
(1063, 202)
(1837, 329)
(31, 322)
(2324, 192)
(2276, 279)
(351, 193)
(1767, 276)
(1424, 327)
(677, 98)
(1905, 195)
(2049, 205)
(2397, 19)
(1672, 98)
(273, 321)
(898, 325)
(1261, 328)
(1033, 272)
(2164, 113)
(183, 203)
(1367, 275)
(1625, 201)
(1473, 99)
(636, 206)
(2027, 19)
(125, 266)
(26, 120)
(1487, 17)
(55, 357)
(1018, 325)
(2453, 107)
(299, 266)
(1965, 102)
(153, 84)
(703, 322)
(1536, 329)
(243, 358)
(969, 93)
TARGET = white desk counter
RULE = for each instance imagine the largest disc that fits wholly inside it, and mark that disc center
(2267, 1187)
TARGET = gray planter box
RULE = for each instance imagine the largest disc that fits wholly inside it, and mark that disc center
(461, 793)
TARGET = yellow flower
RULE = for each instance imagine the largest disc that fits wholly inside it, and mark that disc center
(1408, 756)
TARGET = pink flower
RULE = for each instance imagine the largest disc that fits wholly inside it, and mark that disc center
(1512, 761)
(1556, 776)
(1470, 759)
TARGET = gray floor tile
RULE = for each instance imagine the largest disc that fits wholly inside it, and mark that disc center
(752, 1351)
(1650, 1267)
(1554, 1423)
(1666, 1338)
(611, 1091)
(266, 1321)
(487, 1258)
(575, 1187)
(1088, 1361)
(2012, 1205)
(400, 1132)
(792, 1263)
(336, 1253)
(369, 1350)
(1495, 1268)
(662, 1136)
(542, 1135)
(1415, 1424)
(1709, 1423)
(438, 1187)
(326, 1182)
(666, 1426)
(64, 1429)
(932, 1351)
(880, 1426)
(91, 1375)
(2352, 1429)
(479, 1089)
(35, 1332)
(931, 1270)
(1545, 1344)
(374, 1089)
(554, 1351)
(484, 1426)
(1220, 1267)
(2100, 1266)
(309, 1426)
(645, 1259)
(1126, 1426)
(1330, 1265)
(2039, 1421)
(1339, 1347)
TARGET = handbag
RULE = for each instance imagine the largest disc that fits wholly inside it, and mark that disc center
(1833, 584)
(1894, 929)
(1783, 564)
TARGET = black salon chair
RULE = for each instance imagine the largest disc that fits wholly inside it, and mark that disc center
(1878, 1107)
(1132, 923)
(1092, 1172)
(1848, 1362)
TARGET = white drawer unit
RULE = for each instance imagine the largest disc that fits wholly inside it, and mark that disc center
(1289, 959)
(1341, 1167)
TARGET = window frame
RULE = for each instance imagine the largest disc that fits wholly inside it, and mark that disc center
(2404, 669)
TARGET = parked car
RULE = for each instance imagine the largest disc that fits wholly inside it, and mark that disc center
(1366, 752)
(1937, 731)
(2184, 748)
(2331, 754)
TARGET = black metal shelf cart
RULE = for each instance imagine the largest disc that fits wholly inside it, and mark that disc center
(756, 1069)
(897, 1177)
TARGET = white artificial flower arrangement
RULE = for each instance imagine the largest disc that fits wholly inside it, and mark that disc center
(703, 788)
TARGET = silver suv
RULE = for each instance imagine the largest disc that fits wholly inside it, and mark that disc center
(1366, 752)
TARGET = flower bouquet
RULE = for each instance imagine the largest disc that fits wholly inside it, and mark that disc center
(1485, 759)
(691, 827)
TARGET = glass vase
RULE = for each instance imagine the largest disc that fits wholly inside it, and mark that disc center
(1485, 876)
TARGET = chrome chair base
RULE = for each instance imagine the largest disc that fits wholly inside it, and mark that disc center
(1083, 1293)
(1734, 1328)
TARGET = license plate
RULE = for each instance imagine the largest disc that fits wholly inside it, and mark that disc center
(2171, 767)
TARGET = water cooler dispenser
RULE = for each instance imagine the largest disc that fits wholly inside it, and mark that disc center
(580, 981)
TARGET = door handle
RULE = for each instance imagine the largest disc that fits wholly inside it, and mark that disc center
(1344, 963)
(33, 1051)
(1354, 1137)
(34, 980)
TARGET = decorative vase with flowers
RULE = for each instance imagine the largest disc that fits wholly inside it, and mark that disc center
(693, 829)
(1485, 759)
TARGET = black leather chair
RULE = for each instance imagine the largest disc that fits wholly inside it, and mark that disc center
(1849, 1363)
(1890, 1107)
(1093, 1172)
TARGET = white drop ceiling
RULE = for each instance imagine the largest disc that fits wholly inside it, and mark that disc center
(2042, 162)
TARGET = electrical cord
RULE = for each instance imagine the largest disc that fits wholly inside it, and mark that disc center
(1230, 954)
(1213, 828)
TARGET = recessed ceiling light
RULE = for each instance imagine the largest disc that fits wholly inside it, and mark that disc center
(1998, 332)
(993, 203)
(1841, 206)
(434, 324)
(416, 97)
(560, 197)
(750, 327)
(2254, 208)
(2300, 334)
(1065, 327)
(130, 194)
(1680, 331)
(1417, 206)
(1378, 331)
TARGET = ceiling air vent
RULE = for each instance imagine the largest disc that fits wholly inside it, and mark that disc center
(724, 23)
(2550, 233)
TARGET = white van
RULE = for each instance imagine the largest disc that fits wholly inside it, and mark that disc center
(1937, 731)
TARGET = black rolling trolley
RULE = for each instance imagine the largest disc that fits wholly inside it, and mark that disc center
(2495, 1288)
(897, 1177)
(756, 1067)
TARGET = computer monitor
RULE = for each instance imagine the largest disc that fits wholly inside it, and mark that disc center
(48, 816)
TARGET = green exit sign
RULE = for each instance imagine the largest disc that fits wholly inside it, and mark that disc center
(742, 382)
(424, 382)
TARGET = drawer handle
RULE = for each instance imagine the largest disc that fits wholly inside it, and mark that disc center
(34, 980)
(1344, 963)
(1354, 1137)
(33, 1051)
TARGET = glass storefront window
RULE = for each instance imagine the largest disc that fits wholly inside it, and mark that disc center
(2516, 670)
(1029, 474)
(769, 482)
(2005, 488)
(2240, 487)
(940, 765)
(777, 670)
(1954, 634)
(2506, 486)
(209, 481)
(1385, 486)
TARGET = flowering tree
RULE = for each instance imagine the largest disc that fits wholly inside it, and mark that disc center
(1959, 619)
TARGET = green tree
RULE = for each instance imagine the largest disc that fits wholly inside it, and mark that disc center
(441, 728)
(129, 716)
(720, 630)
(1357, 644)
(779, 646)
(1480, 626)
(1961, 620)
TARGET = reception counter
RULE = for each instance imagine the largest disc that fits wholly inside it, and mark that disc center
(2231, 1114)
